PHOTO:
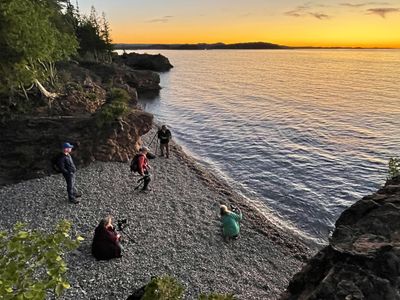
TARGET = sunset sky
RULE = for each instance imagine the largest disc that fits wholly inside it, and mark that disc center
(286, 22)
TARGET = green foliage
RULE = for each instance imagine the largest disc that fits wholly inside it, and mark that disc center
(94, 37)
(91, 96)
(33, 35)
(116, 107)
(394, 167)
(215, 296)
(32, 263)
(163, 288)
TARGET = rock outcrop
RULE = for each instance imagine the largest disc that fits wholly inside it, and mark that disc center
(362, 260)
(27, 145)
(29, 140)
(158, 62)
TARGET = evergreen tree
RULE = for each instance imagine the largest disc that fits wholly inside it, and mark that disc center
(33, 36)
(105, 35)
(94, 39)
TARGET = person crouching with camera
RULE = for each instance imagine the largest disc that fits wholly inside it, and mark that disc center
(106, 241)
(230, 222)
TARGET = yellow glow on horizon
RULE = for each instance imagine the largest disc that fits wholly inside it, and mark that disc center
(365, 31)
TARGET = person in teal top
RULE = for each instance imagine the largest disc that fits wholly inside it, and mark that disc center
(230, 222)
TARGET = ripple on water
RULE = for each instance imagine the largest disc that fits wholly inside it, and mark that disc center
(307, 131)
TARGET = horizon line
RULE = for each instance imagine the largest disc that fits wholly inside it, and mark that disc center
(281, 45)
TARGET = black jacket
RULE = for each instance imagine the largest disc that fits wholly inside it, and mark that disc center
(164, 136)
(66, 164)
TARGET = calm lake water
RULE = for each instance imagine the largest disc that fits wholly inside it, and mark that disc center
(307, 132)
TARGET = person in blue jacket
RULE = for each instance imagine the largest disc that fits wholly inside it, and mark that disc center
(68, 169)
(230, 222)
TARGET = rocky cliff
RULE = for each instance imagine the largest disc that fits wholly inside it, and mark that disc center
(28, 145)
(28, 141)
(362, 260)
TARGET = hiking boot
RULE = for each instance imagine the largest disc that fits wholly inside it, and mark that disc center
(74, 201)
(77, 195)
(146, 190)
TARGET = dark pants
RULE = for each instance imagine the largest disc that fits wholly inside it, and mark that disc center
(146, 180)
(71, 189)
(166, 147)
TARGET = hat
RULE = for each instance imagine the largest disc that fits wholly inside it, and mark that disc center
(67, 145)
(144, 148)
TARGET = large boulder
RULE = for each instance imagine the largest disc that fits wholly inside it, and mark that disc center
(158, 62)
(27, 145)
(362, 260)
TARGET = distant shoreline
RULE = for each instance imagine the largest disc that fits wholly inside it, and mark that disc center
(237, 46)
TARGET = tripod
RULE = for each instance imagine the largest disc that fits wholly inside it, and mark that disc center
(127, 235)
(140, 181)
(152, 140)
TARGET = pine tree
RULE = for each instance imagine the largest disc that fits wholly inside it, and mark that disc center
(33, 36)
(106, 37)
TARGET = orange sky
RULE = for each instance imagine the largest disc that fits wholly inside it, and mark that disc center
(289, 22)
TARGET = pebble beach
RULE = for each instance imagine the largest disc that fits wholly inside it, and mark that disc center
(172, 230)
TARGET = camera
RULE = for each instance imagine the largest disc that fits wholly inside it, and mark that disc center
(235, 209)
(121, 224)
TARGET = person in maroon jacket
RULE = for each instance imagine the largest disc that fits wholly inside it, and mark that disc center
(106, 241)
(144, 167)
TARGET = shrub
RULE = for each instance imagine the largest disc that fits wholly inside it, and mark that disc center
(394, 167)
(163, 288)
(91, 96)
(32, 263)
(116, 106)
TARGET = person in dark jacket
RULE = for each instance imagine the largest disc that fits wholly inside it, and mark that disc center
(106, 241)
(144, 167)
(68, 169)
(164, 136)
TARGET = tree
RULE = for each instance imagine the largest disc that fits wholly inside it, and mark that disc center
(94, 37)
(33, 36)
(32, 263)
(105, 35)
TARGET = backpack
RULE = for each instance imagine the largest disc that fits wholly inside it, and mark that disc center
(135, 163)
(55, 162)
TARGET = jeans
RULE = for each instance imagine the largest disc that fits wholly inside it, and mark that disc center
(71, 189)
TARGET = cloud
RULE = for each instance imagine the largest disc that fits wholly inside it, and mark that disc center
(382, 11)
(295, 13)
(164, 19)
(320, 16)
(356, 5)
(306, 10)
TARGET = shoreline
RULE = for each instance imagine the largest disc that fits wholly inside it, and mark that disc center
(260, 215)
(175, 230)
